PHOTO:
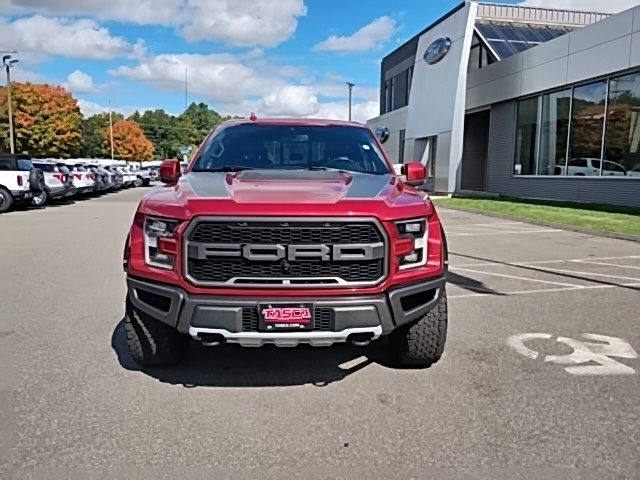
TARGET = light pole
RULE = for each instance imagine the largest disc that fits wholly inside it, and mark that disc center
(350, 85)
(111, 101)
(8, 64)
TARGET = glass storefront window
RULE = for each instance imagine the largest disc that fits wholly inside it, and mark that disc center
(568, 132)
(587, 123)
(526, 134)
(622, 138)
(554, 132)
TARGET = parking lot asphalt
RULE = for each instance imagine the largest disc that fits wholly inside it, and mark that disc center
(539, 379)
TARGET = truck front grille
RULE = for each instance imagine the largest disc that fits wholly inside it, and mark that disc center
(300, 253)
(270, 232)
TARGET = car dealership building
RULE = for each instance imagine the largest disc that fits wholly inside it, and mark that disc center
(519, 101)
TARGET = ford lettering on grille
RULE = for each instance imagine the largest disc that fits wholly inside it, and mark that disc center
(293, 252)
(275, 253)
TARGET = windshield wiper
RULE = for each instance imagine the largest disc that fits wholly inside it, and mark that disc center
(342, 170)
(314, 168)
(223, 169)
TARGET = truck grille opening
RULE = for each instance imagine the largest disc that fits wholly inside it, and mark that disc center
(224, 261)
(223, 270)
(160, 302)
(297, 233)
(418, 299)
(322, 319)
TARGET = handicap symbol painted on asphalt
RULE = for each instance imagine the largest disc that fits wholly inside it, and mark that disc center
(598, 349)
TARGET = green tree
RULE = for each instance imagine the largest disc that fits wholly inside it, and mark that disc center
(166, 132)
(202, 119)
(94, 142)
(135, 116)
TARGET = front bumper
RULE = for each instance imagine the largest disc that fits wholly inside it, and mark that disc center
(62, 192)
(226, 316)
(85, 189)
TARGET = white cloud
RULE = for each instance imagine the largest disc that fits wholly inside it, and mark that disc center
(236, 22)
(218, 77)
(19, 74)
(360, 112)
(39, 36)
(239, 85)
(291, 100)
(146, 12)
(608, 6)
(244, 23)
(369, 37)
(79, 82)
(339, 90)
(88, 108)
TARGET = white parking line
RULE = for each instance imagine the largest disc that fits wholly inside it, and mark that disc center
(541, 262)
(606, 264)
(546, 290)
(497, 229)
(559, 270)
(609, 258)
(454, 234)
(521, 278)
(466, 265)
(491, 224)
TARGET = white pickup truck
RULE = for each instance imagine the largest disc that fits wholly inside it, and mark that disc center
(83, 178)
(58, 182)
(19, 181)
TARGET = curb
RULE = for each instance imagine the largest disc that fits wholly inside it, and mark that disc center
(542, 223)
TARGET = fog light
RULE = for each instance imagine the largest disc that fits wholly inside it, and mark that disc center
(413, 258)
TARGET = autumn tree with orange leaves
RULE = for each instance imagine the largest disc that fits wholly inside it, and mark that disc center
(129, 141)
(47, 120)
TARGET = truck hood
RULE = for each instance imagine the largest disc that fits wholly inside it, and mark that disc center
(285, 187)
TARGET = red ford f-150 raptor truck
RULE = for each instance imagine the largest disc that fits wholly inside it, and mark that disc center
(286, 231)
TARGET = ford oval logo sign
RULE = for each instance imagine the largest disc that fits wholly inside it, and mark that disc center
(437, 50)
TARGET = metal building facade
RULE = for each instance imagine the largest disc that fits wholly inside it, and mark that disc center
(497, 56)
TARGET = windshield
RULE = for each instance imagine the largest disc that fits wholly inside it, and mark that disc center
(24, 164)
(45, 167)
(292, 147)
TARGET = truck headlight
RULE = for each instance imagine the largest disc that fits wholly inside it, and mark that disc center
(415, 231)
(412, 227)
(161, 245)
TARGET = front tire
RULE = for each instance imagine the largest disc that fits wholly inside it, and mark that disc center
(139, 182)
(151, 342)
(421, 343)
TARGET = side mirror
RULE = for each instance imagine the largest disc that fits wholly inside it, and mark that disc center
(415, 173)
(170, 171)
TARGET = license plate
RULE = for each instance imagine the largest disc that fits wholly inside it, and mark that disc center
(291, 316)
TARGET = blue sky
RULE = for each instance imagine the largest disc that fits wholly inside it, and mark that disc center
(276, 57)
